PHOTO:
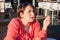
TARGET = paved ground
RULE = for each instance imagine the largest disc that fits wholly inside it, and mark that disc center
(3, 29)
(2, 32)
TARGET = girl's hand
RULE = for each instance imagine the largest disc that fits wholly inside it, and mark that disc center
(46, 22)
(36, 38)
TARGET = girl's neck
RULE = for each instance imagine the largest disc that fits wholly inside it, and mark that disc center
(25, 23)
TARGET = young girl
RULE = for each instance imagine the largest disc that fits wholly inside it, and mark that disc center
(26, 26)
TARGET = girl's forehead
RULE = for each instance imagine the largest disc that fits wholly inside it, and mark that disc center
(29, 7)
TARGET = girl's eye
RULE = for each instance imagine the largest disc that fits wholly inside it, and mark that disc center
(29, 11)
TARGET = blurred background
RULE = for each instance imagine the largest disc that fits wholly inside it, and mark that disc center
(44, 8)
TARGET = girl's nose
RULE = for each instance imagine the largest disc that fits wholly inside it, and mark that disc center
(32, 13)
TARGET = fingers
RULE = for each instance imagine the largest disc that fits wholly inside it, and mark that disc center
(46, 21)
(36, 38)
(48, 17)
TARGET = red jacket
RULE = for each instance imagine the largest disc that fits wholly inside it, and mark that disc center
(16, 31)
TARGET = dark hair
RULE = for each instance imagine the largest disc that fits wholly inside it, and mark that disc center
(22, 7)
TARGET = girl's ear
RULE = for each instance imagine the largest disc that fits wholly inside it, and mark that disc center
(21, 14)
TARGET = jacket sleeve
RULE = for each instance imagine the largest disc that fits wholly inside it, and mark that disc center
(39, 33)
(12, 31)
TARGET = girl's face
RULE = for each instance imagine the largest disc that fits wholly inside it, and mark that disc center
(28, 14)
